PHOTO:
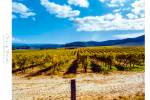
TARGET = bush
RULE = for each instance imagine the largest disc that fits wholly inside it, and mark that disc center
(114, 68)
(56, 72)
(104, 70)
(59, 69)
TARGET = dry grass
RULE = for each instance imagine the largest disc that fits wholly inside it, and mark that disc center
(137, 96)
(69, 76)
(96, 81)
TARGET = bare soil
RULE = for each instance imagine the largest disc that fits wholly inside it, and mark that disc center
(89, 86)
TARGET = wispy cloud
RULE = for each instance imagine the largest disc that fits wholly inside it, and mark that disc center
(130, 15)
(112, 5)
(122, 4)
(33, 18)
(16, 39)
(126, 8)
(21, 9)
(81, 3)
(95, 37)
(134, 35)
(71, 18)
(117, 10)
(117, 1)
(61, 11)
(102, 0)
(14, 16)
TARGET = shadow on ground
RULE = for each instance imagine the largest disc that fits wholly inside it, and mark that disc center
(95, 67)
(39, 72)
(125, 68)
(73, 68)
(120, 68)
(17, 70)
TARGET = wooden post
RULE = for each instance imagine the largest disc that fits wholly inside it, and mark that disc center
(73, 89)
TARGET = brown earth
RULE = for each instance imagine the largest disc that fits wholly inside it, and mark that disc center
(89, 86)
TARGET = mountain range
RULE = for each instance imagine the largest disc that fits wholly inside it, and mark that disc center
(138, 41)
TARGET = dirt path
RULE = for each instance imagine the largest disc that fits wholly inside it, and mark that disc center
(87, 85)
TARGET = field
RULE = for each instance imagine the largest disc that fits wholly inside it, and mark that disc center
(107, 73)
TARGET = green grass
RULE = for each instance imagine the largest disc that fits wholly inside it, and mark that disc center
(120, 68)
(34, 51)
(114, 68)
(24, 51)
(128, 68)
(89, 67)
(105, 70)
(136, 68)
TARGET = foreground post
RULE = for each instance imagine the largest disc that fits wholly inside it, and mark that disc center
(73, 89)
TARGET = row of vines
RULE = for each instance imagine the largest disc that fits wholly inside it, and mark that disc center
(106, 56)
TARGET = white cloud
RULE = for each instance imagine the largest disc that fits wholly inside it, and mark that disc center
(117, 1)
(108, 22)
(134, 35)
(112, 5)
(22, 9)
(26, 15)
(102, 0)
(130, 15)
(19, 7)
(33, 18)
(139, 8)
(60, 11)
(81, 3)
(114, 1)
(117, 10)
(122, 4)
(16, 40)
(126, 8)
(14, 16)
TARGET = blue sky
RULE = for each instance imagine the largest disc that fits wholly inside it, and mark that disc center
(63, 21)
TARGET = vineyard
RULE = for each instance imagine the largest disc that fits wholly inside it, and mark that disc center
(101, 73)
(97, 59)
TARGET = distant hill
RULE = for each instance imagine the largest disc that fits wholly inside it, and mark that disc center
(35, 46)
(78, 44)
(138, 41)
(129, 42)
